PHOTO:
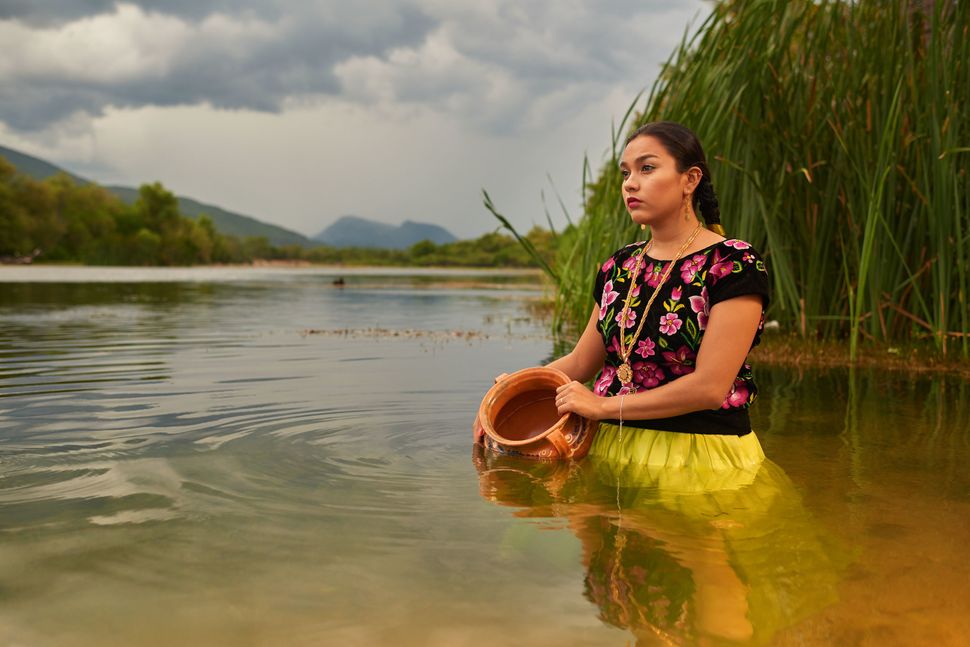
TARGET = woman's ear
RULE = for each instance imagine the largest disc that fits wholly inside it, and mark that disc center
(694, 176)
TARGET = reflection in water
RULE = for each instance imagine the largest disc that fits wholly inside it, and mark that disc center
(729, 556)
(180, 464)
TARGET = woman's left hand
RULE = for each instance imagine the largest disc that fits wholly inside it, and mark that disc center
(576, 398)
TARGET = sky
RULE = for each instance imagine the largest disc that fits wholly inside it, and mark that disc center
(299, 112)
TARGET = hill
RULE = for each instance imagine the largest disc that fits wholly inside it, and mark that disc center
(226, 222)
(354, 231)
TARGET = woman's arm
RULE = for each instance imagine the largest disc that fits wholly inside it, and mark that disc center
(587, 357)
(730, 330)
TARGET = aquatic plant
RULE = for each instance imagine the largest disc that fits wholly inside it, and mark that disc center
(838, 136)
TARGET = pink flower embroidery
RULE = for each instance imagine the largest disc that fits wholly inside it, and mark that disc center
(670, 323)
(680, 362)
(738, 396)
(614, 345)
(654, 272)
(625, 390)
(631, 318)
(608, 265)
(690, 267)
(647, 373)
(609, 296)
(737, 244)
(645, 348)
(720, 268)
(702, 307)
(748, 257)
(631, 263)
(605, 380)
(676, 293)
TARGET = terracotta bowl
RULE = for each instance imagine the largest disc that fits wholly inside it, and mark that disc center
(518, 416)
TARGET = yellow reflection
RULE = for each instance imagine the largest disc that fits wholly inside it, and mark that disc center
(680, 555)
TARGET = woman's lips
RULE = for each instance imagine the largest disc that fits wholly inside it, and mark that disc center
(633, 202)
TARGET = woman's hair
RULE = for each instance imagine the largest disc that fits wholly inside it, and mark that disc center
(683, 145)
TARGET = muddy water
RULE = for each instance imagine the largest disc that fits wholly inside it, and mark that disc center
(259, 457)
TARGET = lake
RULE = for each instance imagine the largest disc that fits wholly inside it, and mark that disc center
(256, 456)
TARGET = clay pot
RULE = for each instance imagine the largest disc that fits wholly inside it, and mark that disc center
(518, 416)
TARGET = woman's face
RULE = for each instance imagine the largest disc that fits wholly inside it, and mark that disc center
(653, 189)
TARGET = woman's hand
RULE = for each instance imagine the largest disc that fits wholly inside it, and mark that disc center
(576, 398)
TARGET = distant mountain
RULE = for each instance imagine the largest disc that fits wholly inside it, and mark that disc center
(354, 231)
(226, 222)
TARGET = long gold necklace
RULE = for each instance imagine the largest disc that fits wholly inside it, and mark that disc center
(624, 372)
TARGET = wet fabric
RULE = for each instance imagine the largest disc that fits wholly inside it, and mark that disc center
(684, 538)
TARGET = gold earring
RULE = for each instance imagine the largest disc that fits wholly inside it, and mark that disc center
(643, 227)
(686, 208)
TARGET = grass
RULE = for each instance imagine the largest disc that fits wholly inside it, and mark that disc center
(838, 136)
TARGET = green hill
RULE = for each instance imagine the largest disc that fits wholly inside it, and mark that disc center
(226, 222)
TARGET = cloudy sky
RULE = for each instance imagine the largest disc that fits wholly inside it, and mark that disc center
(299, 111)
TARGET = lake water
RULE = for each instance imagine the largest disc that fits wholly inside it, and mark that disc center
(255, 456)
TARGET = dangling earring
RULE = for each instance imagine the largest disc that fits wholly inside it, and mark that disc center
(643, 227)
(686, 208)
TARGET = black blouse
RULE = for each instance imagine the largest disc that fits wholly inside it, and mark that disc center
(668, 345)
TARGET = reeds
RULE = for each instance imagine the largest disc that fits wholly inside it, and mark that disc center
(838, 137)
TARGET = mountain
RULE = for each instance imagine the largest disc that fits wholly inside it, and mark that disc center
(226, 222)
(354, 231)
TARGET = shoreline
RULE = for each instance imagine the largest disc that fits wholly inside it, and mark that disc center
(779, 349)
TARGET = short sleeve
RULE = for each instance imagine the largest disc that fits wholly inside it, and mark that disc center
(598, 284)
(737, 269)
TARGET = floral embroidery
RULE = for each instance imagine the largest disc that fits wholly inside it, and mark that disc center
(654, 272)
(737, 244)
(609, 296)
(670, 323)
(605, 380)
(680, 362)
(676, 293)
(720, 268)
(647, 373)
(631, 318)
(738, 397)
(645, 348)
(691, 267)
(702, 307)
(608, 265)
(614, 346)
(631, 263)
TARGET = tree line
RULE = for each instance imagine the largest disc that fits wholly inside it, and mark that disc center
(58, 220)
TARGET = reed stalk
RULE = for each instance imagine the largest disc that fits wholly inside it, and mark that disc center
(838, 137)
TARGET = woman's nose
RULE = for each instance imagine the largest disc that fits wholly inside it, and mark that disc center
(629, 184)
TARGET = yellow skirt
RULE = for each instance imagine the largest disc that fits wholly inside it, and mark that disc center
(674, 461)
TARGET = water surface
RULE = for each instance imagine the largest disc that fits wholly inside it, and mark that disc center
(256, 456)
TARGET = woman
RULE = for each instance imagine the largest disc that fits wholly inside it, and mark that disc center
(673, 322)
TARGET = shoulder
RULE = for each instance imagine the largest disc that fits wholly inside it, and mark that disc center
(739, 251)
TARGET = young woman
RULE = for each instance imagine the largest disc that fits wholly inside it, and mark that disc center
(673, 323)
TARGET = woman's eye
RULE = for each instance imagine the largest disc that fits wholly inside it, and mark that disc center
(646, 168)
(623, 174)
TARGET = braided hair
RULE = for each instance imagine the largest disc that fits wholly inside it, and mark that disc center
(683, 145)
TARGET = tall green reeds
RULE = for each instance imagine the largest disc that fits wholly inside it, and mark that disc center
(838, 136)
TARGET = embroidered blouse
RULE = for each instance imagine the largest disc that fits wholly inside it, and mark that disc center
(672, 334)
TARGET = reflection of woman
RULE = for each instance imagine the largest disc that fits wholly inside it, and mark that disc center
(738, 562)
(674, 320)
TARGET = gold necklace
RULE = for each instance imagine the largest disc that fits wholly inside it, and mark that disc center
(624, 372)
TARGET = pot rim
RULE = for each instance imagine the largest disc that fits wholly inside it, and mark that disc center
(501, 387)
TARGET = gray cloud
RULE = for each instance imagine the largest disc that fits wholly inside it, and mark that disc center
(59, 64)
(503, 65)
